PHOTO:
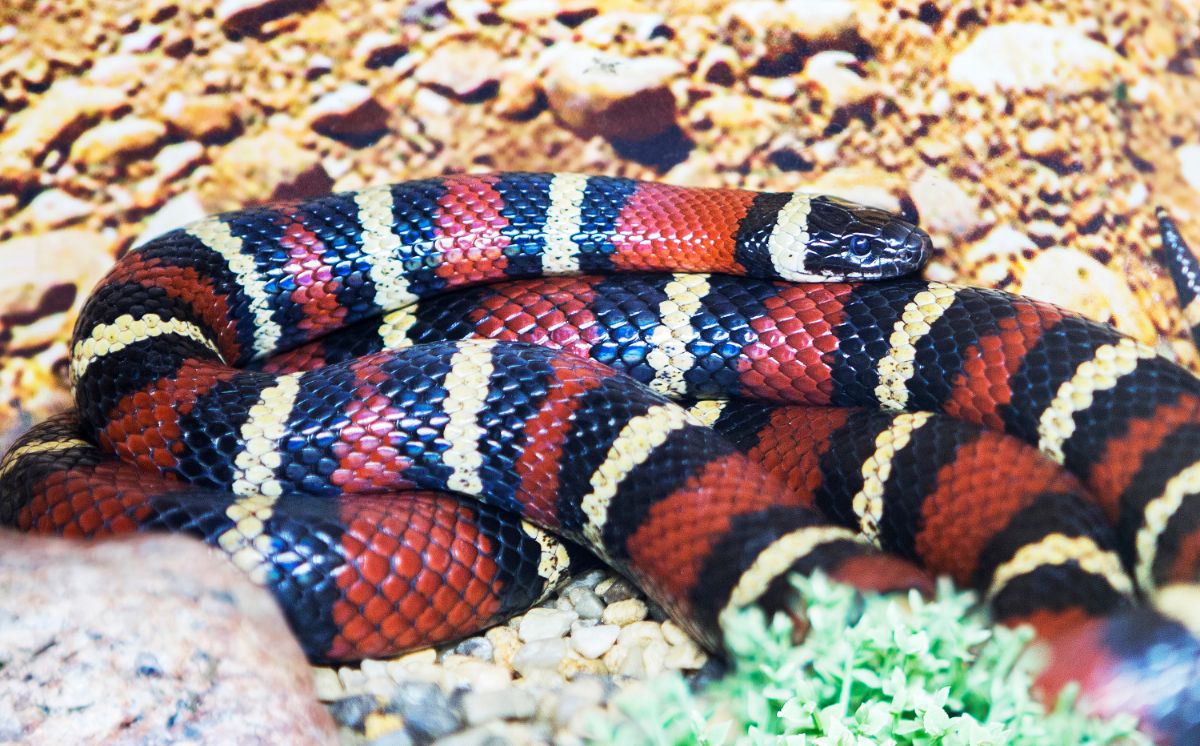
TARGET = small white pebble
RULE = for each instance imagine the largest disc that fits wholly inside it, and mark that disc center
(373, 668)
(588, 580)
(674, 634)
(624, 612)
(403, 668)
(542, 624)
(685, 657)
(642, 633)
(380, 686)
(505, 704)
(593, 642)
(539, 655)
(586, 603)
(654, 656)
(327, 685)
(352, 679)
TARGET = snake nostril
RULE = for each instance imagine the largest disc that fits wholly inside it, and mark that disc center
(917, 245)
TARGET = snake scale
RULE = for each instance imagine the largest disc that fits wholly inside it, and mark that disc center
(309, 386)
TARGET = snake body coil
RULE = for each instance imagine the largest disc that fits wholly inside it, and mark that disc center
(205, 362)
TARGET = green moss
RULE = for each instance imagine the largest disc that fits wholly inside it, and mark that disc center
(873, 671)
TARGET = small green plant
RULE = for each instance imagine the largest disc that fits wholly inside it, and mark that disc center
(870, 671)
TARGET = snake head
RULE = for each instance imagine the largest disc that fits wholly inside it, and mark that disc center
(852, 241)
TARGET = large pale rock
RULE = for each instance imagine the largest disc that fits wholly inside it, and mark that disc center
(1074, 280)
(462, 68)
(990, 260)
(1189, 163)
(112, 139)
(767, 33)
(608, 29)
(119, 69)
(1033, 57)
(271, 165)
(177, 159)
(54, 208)
(812, 19)
(150, 639)
(45, 279)
(596, 93)
(64, 107)
(202, 117)
(349, 111)
(944, 205)
(833, 74)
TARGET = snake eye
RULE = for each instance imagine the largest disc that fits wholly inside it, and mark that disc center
(860, 245)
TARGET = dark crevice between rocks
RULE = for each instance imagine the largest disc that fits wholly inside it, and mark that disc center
(661, 152)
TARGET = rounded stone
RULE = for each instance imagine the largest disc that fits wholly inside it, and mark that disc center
(586, 603)
(1035, 57)
(597, 93)
(426, 710)
(593, 642)
(504, 704)
(624, 612)
(542, 623)
(476, 647)
(539, 655)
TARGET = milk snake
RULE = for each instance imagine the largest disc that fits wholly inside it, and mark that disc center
(213, 363)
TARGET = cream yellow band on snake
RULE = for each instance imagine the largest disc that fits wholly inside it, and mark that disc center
(896, 369)
(788, 244)
(876, 470)
(632, 446)
(778, 557)
(396, 326)
(1180, 601)
(553, 561)
(216, 234)
(707, 412)
(247, 543)
(466, 393)
(381, 243)
(1108, 364)
(1059, 549)
(563, 219)
(125, 330)
(668, 354)
(261, 434)
(1155, 517)
(9, 462)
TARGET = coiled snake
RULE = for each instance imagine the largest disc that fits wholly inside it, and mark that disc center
(301, 384)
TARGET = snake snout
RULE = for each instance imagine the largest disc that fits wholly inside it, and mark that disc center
(907, 245)
(916, 247)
